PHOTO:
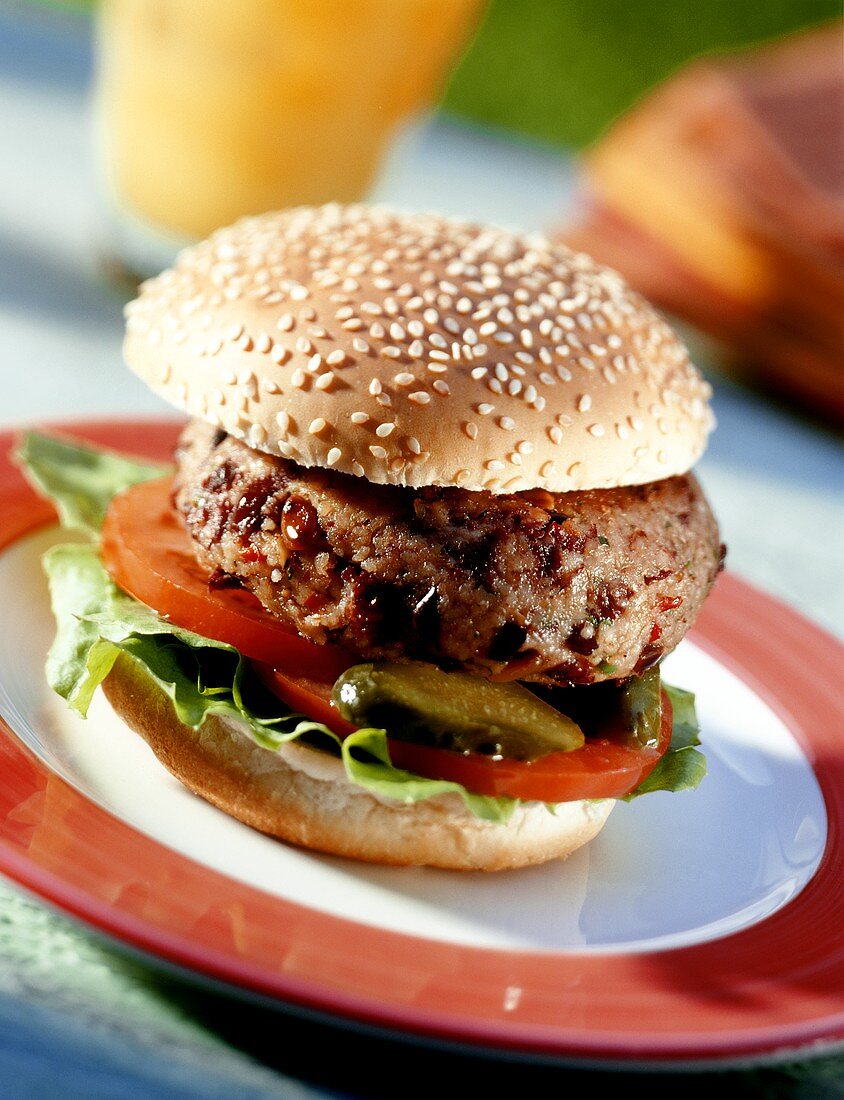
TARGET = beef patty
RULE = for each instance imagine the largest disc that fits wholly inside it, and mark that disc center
(566, 588)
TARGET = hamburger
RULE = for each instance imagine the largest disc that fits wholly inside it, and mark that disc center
(429, 531)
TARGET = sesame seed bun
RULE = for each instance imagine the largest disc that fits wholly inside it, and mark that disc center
(418, 350)
(302, 796)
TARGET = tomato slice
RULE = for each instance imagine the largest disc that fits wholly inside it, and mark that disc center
(602, 768)
(148, 553)
(305, 695)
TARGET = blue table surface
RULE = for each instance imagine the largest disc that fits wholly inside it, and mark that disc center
(776, 478)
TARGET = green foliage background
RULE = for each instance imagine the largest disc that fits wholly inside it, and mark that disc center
(561, 70)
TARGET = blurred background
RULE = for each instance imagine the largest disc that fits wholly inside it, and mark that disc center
(698, 147)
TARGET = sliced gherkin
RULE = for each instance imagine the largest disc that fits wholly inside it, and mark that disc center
(453, 710)
(640, 706)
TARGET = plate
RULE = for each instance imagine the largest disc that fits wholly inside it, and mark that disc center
(698, 928)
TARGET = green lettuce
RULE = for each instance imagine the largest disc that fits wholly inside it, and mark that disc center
(79, 480)
(96, 622)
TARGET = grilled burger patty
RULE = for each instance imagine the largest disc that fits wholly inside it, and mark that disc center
(567, 588)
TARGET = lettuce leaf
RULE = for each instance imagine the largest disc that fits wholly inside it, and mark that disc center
(96, 622)
(79, 480)
(683, 767)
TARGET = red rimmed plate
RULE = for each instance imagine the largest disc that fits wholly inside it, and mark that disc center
(699, 928)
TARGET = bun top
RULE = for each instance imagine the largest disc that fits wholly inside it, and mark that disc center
(413, 349)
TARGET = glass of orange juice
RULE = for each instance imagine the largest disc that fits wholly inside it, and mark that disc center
(208, 110)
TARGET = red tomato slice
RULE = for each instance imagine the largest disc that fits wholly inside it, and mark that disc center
(602, 768)
(306, 696)
(148, 553)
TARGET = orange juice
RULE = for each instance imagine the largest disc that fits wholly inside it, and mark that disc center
(212, 109)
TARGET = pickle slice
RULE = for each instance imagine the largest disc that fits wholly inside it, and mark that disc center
(640, 706)
(452, 710)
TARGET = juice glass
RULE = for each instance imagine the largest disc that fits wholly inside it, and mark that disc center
(212, 109)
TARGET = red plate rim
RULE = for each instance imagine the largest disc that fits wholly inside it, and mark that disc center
(772, 988)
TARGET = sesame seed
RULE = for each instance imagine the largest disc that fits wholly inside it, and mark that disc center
(596, 429)
(325, 381)
(383, 430)
(584, 403)
(391, 351)
(413, 445)
(314, 363)
(478, 372)
(358, 470)
(298, 378)
(353, 324)
(419, 397)
(471, 429)
(375, 387)
(555, 434)
(316, 426)
(416, 349)
(439, 356)
(336, 357)
(283, 420)
(507, 423)
(359, 417)
(360, 345)
(484, 409)
(404, 378)
(378, 452)
(333, 456)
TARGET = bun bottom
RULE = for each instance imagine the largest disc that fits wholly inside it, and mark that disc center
(302, 796)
